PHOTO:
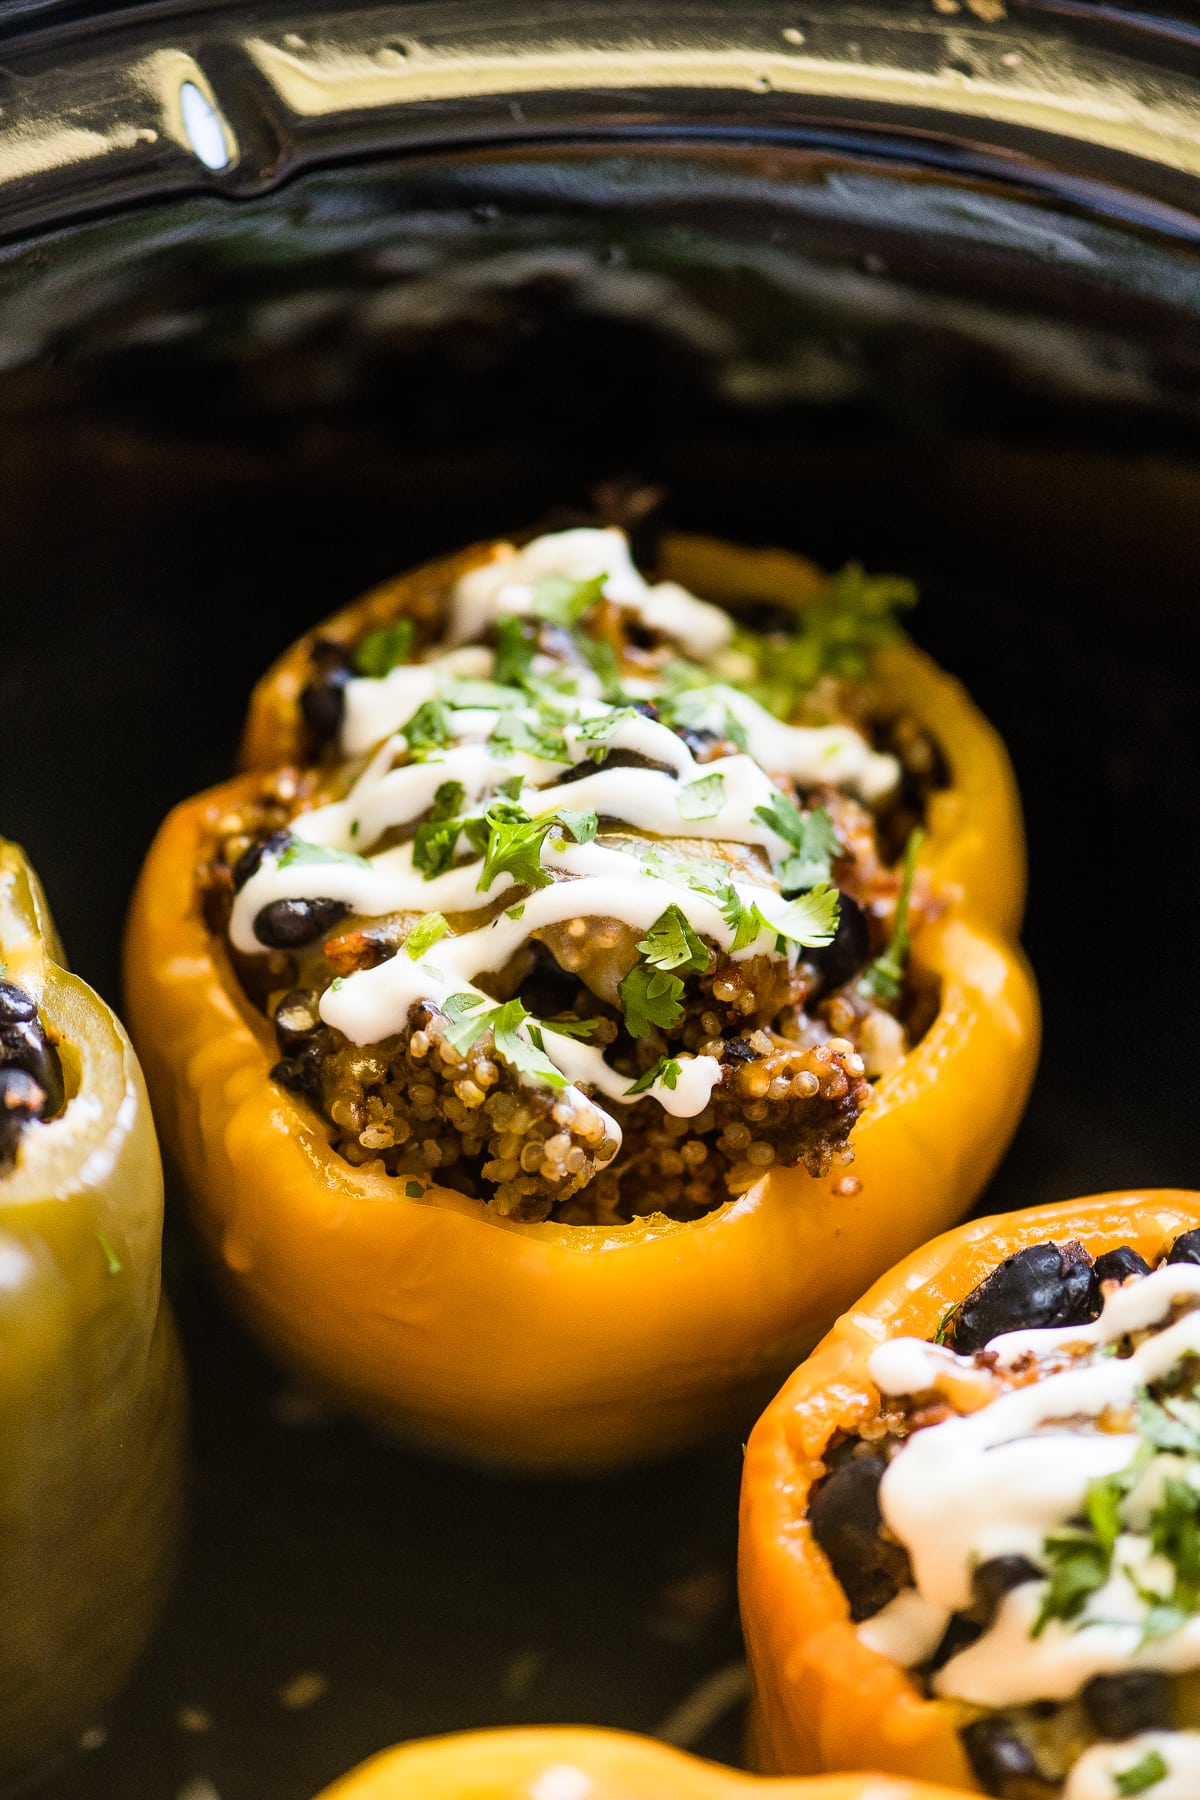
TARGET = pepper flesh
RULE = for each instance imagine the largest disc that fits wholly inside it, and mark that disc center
(91, 1386)
(551, 1344)
(578, 1764)
(820, 1696)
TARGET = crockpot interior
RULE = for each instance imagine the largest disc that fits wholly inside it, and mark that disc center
(219, 420)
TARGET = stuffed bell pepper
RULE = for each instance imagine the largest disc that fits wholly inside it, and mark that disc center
(970, 1543)
(586, 987)
(547, 1763)
(91, 1397)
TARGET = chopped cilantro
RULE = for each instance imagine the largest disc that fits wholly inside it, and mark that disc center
(945, 1325)
(836, 635)
(666, 1070)
(581, 825)
(538, 736)
(112, 1261)
(598, 730)
(1140, 1775)
(885, 976)
(414, 1190)
(514, 842)
(472, 1014)
(460, 692)
(1172, 1423)
(515, 912)
(429, 728)
(563, 601)
(1175, 1534)
(671, 943)
(516, 646)
(466, 1021)
(299, 850)
(812, 839)
(436, 839)
(701, 799)
(650, 997)
(701, 708)
(572, 1028)
(601, 658)
(380, 651)
(812, 919)
(423, 936)
(1079, 1566)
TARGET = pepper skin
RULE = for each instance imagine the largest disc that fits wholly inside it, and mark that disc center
(822, 1700)
(547, 1344)
(91, 1386)
(549, 1763)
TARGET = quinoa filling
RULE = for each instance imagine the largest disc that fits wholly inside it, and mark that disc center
(31, 1078)
(1020, 1524)
(591, 901)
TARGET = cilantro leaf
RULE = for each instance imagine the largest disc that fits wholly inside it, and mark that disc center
(1170, 1424)
(299, 850)
(461, 692)
(516, 646)
(563, 601)
(699, 707)
(701, 799)
(515, 731)
(1140, 1775)
(429, 727)
(885, 976)
(1080, 1565)
(572, 1028)
(466, 1020)
(836, 634)
(414, 1189)
(598, 729)
(380, 651)
(423, 936)
(520, 1052)
(812, 919)
(812, 838)
(649, 998)
(671, 943)
(514, 846)
(601, 658)
(436, 839)
(666, 1070)
(581, 825)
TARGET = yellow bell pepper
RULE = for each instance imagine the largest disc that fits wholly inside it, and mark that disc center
(91, 1391)
(550, 1763)
(822, 1699)
(554, 1344)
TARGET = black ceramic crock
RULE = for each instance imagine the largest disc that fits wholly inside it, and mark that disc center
(292, 296)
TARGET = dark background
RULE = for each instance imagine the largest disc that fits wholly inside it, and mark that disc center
(217, 423)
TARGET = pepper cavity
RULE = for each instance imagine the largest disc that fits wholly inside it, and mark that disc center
(31, 1080)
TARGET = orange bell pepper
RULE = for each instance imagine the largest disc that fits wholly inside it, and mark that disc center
(91, 1388)
(822, 1699)
(566, 1345)
(552, 1763)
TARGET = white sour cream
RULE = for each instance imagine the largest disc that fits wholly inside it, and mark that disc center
(1094, 1775)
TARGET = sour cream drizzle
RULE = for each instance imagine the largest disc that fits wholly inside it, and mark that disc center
(595, 880)
(1094, 1775)
(997, 1481)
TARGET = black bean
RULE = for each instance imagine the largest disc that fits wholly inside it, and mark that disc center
(298, 1075)
(1001, 1760)
(289, 924)
(1186, 1248)
(698, 742)
(21, 1101)
(24, 1045)
(958, 1635)
(838, 961)
(1119, 1706)
(547, 989)
(16, 1006)
(250, 861)
(323, 705)
(614, 759)
(297, 1022)
(738, 1050)
(1116, 1264)
(647, 708)
(1047, 1284)
(843, 1513)
(995, 1577)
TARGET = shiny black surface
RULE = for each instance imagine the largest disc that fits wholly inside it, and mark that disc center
(216, 424)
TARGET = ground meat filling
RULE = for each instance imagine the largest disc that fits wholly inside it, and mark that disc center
(727, 1045)
(31, 1079)
(1074, 1660)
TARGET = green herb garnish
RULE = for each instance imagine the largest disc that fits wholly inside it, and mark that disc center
(299, 851)
(666, 1070)
(671, 943)
(811, 920)
(516, 647)
(414, 1190)
(429, 728)
(380, 651)
(472, 1014)
(885, 976)
(701, 799)
(423, 936)
(836, 635)
(514, 842)
(812, 838)
(649, 998)
(436, 838)
(1140, 1775)
(563, 601)
(572, 1028)
(112, 1261)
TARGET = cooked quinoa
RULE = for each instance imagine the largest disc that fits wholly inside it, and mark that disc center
(561, 914)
